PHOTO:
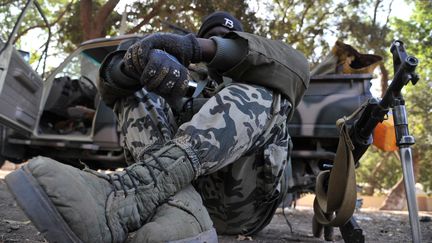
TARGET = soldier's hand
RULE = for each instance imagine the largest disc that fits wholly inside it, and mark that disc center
(185, 48)
(164, 75)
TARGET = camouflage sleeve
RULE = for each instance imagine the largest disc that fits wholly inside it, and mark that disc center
(269, 63)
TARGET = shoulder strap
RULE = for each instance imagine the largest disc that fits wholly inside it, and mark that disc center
(335, 205)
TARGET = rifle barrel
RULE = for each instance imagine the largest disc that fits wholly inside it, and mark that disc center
(375, 112)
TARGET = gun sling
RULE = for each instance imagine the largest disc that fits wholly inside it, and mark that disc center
(334, 205)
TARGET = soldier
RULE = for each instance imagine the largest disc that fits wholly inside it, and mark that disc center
(234, 149)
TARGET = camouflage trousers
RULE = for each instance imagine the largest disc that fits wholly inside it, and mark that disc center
(240, 137)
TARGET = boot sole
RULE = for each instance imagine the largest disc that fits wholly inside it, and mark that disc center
(38, 207)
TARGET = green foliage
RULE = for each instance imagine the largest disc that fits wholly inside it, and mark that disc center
(382, 177)
(365, 29)
(33, 25)
(8, 15)
(359, 25)
(302, 24)
(186, 14)
(70, 33)
(416, 33)
(417, 36)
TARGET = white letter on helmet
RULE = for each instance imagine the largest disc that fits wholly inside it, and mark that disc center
(229, 23)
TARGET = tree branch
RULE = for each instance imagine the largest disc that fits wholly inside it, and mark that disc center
(384, 78)
(5, 3)
(377, 3)
(373, 177)
(389, 12)
(42, 25)
(291, 3)
(279, 4)
(283, 20)
(383, 29)
(61, 15)
(304, 15)
(20, 34)
(148, 17)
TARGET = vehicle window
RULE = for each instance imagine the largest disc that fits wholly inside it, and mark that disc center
(71, 104)
(80, 67)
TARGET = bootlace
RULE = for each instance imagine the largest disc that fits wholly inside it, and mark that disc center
(150, 168)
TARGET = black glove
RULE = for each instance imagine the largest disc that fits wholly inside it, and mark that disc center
(185, 48)
(164, 75)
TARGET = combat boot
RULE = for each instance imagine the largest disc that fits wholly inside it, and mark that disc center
(71, 205)
(183, 218)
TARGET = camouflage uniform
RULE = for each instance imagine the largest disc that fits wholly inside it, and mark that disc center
(241, 140)
(238, 140)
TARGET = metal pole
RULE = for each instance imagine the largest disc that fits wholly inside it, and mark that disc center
(409, 182)
(404, 141)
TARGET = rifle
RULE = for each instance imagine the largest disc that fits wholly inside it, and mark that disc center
(376, 110)
(360, 134)
(404, 67)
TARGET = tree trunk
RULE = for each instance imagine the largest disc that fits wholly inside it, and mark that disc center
(373, 182)
(101, 17)
(155, 10)
(86, 7)
(396, 199)
(94, 25)
(384, 79)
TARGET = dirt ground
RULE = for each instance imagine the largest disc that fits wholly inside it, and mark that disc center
(378, 226)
